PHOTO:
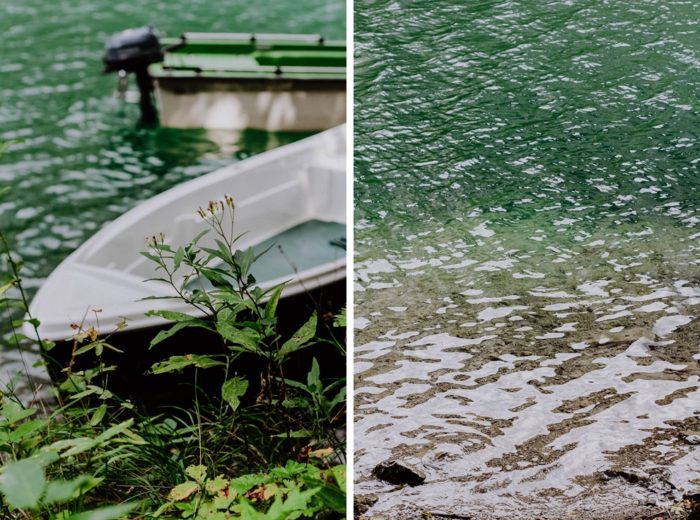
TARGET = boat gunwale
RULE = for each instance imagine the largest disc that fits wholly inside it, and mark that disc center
(223, 39)
(263, 73)
(253, 37)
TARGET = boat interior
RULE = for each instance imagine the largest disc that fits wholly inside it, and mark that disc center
(246, 52)
(285, 202)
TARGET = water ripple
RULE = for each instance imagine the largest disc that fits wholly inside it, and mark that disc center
(527, 273)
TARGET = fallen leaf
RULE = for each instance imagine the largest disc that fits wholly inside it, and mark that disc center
(183, 491)
(321, 453)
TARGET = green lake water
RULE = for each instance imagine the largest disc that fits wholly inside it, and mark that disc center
(76, 157)
(527, 242)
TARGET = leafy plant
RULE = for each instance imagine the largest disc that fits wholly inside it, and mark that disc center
(217, 282)
(296, 490)
(29, 452)
(78, 457)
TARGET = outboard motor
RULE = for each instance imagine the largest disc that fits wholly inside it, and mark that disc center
(134, 50)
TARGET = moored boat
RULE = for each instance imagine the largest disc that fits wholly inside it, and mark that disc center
(274, 82)
(292, 196)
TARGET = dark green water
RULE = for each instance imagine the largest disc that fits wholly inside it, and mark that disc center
(527, 244)
(77, 158)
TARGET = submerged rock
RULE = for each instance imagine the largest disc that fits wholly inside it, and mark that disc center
(362, 503)
(397, 472)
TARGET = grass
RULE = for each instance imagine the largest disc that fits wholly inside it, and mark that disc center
(268, 446)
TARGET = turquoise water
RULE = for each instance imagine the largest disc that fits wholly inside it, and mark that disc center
(77, 157)
(527, 239)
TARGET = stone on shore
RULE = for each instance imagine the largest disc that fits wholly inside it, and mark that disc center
(396, 472)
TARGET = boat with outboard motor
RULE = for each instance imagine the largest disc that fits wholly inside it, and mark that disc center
(232, 81)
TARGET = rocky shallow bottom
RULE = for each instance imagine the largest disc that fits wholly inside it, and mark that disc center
(686, 509)
(546, 397)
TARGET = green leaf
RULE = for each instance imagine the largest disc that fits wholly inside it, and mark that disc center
(299, 340)
(249, 513)
(171, 315)
(178, 363)
(233, 389)
(217, 485)
(339, 398)
(199, 236)
(340, 474)
(297, 501)
(75, 446)
(115, 430)
(152, 257)
(226, 315)
(11, 412)
(234, 298)
(162, 509)
(217, 277)
(23, 483)
(177, 260)
(45, 457)
(224, 251)
(245, 483)
(135, 438)
(313, 381)
(295, 384)
(27, 429)
(246, 338)
(207, 510)
(244, 259)
(64, 490)
(98, 415)
(90, 390)
(165, 334)
(271, 307)
(341, 319)
(298, 434)
(85, 348)
(332, 498)
(223, 502)
(6, 287)
(198, 472)
(106, 513)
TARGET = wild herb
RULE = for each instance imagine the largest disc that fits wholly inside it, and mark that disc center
(273, 454)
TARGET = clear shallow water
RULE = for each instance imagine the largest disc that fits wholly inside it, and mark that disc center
(77, 158)
(527, 239)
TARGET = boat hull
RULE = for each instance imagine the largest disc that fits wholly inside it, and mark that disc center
(130, 378)
(231, 81)
(234, 103)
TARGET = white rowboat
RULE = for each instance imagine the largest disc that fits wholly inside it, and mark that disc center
(293, 196)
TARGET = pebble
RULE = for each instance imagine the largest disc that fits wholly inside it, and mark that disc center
(397, 472)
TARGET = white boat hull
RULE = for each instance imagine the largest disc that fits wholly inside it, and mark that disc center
(274, 106)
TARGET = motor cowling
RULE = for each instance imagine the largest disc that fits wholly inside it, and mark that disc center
(132, 50)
